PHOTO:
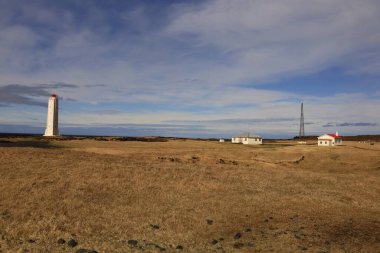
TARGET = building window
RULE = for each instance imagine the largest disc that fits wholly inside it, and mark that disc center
(325, 142)
(320, 142)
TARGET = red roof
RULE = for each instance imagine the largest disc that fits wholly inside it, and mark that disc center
(53, 95)
(335, 136)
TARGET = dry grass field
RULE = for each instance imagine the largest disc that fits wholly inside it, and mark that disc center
(188, 196)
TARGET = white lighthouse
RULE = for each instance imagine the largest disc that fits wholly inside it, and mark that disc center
(52, 117)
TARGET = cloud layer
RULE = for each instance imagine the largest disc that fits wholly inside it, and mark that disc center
(200, 61)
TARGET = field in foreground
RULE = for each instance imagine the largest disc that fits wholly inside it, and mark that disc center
(188, 196)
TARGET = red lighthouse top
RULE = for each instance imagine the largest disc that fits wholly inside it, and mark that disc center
(53, 95)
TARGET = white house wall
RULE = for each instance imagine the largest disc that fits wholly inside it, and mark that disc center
(325, 143)
(252, 141)
(236, 140)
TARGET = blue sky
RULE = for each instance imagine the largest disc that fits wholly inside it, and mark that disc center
(191, 68)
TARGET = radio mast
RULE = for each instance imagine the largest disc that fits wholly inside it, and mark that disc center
(302, 124)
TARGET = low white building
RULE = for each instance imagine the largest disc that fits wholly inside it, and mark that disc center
(330, 140)
(221, 140)
(239, 138)
(247, 138)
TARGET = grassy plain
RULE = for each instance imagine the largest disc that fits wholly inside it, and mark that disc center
(188, 196)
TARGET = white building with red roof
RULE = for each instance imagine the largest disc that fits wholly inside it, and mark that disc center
(330, 140)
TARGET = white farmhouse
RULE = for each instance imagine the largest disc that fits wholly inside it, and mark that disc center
(247, 138)
(330, 140)
(239, 138)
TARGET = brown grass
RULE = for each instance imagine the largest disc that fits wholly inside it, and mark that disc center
(280, 197)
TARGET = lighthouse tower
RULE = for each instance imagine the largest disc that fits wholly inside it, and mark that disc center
(52, 117)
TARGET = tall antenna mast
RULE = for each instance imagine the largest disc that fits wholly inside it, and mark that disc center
(302, 124)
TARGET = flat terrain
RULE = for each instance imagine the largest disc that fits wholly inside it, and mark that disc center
(188, 196)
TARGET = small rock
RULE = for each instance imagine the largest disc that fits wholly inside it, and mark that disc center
(237, 236)
(209, 222)
(82, 251)
(213, 242)
(266, 220)
(154, 226)
(179, 247)
(132, 242)
(5, 215)
(72, 243)
(31, 241)
(86, 251)
(221, 239)
(159, 247)
(61, 241)
(238, 245)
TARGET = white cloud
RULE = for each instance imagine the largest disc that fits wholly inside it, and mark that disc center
(201, 56)
(267, 39)
(217, 44)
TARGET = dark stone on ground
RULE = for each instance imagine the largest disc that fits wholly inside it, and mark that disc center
(159, 247)
(179, 247)
(266, 220)
(132, 242)
(86, 251)
(237, 236)
(82, 251)
(154, 226)
(31, 241)
(61, 241)
(6, 215)
(221, 239)
(209, 222)
(72, 243)
(238, 245)
(213, 242)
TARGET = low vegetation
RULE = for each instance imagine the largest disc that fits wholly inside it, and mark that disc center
(187, 196)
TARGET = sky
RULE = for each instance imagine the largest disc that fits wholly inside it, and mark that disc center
(212, 68)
